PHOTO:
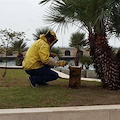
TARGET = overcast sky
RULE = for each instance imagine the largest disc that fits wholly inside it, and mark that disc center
(27, 16)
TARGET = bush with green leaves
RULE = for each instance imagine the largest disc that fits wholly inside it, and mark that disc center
(86, 61)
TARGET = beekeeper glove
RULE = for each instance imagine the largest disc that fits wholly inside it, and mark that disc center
(62, 63)
(52, 62)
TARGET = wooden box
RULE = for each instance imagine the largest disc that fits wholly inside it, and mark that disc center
(75, 77)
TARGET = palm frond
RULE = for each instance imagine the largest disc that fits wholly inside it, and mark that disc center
(92, 14)
(77, 40)
(44, 1)
(36, 35)
(19, 46)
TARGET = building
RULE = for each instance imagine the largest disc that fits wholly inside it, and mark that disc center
(67, 53)
(70, 53)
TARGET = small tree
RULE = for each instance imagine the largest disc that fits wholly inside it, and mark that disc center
(7, 36)
(86, 61)
(77, 40)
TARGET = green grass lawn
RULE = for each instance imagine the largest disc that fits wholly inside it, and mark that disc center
(15, 92)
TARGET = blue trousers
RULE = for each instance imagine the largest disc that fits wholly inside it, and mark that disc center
(42, 75)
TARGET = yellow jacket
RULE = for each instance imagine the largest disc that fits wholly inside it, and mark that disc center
(37, 55)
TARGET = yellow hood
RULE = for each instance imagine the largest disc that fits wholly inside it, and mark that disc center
(55, 38)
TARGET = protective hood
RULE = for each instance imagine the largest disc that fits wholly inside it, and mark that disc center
(55, 40)
(42, 36)
(51, 33)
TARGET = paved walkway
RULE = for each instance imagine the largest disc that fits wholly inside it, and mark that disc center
(61, 74)
(65, 76)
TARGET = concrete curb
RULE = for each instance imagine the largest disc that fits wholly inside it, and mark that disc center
(101, 112)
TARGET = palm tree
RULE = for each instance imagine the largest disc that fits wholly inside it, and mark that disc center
(77, 40)
(19, 46)
(36, 35)
(99, 17)
(43, 31)
(56, 51)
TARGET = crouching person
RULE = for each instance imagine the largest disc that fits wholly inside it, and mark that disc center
(37, 62)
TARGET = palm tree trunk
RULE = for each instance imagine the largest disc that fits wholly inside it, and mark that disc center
(118, 61)
(77, 57)
(104, 62)
(97, 64)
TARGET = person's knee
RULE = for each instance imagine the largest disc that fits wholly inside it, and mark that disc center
(56, 76)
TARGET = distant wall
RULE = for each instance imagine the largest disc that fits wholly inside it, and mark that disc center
(72, 52)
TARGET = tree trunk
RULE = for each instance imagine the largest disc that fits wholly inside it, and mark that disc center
(118, 61)
(77, 58)
(104, 62)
